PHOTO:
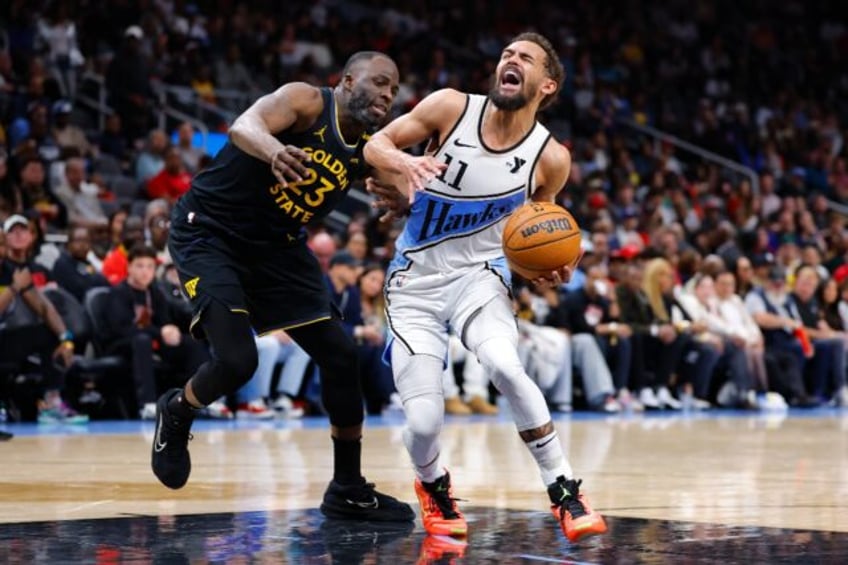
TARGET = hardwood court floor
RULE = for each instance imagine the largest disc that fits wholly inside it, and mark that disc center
(702, 487)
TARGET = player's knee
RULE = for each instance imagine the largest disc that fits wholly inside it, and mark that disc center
(338, 360)
(239, 361)
(424, 415)
(502, 364)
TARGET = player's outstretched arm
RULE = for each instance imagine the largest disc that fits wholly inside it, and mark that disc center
(292, 105)
(432, 116)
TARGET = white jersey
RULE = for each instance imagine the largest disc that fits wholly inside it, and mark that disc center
(457, 222)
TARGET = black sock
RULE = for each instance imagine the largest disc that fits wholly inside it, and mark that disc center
(180, 407)
(347, 455)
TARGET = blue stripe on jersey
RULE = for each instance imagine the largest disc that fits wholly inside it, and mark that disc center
(434, 218)
(501, 267)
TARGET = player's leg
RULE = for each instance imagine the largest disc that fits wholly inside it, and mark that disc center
(418, 381)
(349, 495)
(233, 362)
(286, 290)
(491, 333)
(211, 273)
(418, 353)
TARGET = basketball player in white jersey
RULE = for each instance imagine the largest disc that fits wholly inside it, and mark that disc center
(487, 156)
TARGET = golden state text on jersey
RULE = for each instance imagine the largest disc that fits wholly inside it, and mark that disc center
(242, 194)
(326, 178)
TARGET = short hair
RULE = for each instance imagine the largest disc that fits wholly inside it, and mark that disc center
(360, 56)
(553, 66)
(141, 251)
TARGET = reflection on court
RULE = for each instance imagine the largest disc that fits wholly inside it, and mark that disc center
(770, 488)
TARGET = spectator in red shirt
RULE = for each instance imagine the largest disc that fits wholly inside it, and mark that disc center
(115, 263)
(172, 181)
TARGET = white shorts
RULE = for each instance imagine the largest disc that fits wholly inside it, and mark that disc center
(423, 308)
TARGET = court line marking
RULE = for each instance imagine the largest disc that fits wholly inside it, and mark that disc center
(88, 505)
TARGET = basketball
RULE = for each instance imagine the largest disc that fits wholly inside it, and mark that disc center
(540, 237)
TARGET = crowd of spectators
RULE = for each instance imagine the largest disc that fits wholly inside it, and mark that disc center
(672, 239)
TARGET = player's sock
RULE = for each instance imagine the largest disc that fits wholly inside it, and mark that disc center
(180, 407)
(547, 451)
(347, 457)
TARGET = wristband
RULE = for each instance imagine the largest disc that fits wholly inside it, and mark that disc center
(27, 288)
(67, 335)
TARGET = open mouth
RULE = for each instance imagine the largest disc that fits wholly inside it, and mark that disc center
(379, 109)
(511, 79)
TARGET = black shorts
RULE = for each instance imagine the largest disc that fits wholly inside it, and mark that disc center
(280, 286)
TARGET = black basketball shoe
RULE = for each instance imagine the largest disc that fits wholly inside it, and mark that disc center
(170, 459)
(362, 502)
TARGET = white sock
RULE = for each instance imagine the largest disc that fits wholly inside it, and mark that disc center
(547, 451)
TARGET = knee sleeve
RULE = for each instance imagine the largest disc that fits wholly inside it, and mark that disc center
(418, 381)
(234, 356)
(503, 365)
(335, 354)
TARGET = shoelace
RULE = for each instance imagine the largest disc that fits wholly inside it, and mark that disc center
(571, 501)
(367, 490)
(444, 502)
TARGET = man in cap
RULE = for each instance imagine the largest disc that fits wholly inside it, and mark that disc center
(69, 137)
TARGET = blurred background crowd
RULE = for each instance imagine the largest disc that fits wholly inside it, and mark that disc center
(709, 176)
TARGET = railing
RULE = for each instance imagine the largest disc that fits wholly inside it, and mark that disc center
(98, 104)
(164, 112)
(186, 98)
(662, 137)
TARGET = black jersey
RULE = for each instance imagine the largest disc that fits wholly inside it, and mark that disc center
(239, 193)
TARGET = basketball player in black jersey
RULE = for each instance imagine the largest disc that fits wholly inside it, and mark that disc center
(238, 241)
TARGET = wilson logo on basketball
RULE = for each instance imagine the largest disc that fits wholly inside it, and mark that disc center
(548, 226)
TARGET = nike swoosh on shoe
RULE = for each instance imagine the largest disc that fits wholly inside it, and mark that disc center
(372, 504)
(158, 446)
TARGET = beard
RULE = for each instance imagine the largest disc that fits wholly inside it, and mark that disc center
(508, 103)
(359, 106)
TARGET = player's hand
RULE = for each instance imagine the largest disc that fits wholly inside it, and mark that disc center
(558, 276)
(418, 171)
(287, 164)
(388, 197)
(554, 279)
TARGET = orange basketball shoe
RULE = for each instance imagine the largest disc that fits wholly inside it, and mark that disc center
(438, 508)
(572, 510)
(441, 549)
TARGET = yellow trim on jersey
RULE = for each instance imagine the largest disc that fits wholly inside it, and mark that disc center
(338, 126)
(284, 328)
(196, 318)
